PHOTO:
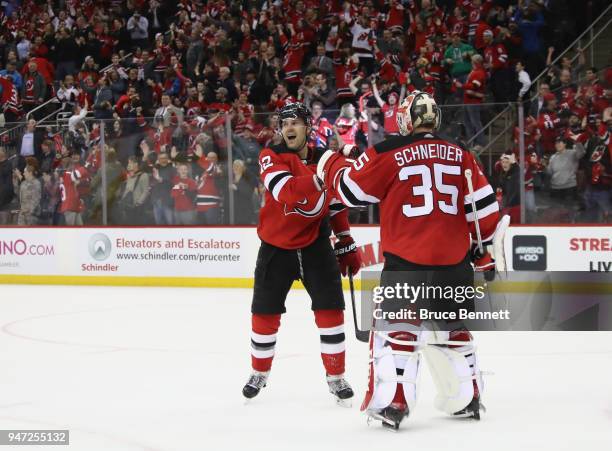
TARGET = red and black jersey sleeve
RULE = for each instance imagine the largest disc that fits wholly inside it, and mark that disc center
(365, 182)
(485, 200)
(283, 185)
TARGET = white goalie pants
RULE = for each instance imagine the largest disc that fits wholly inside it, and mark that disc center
(395, 359)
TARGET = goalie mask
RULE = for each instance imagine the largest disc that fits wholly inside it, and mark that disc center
(419, 109)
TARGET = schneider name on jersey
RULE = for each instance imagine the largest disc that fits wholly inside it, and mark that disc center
(295, 203)
(424, 200)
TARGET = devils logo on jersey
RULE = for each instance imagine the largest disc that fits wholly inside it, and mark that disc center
(29, 88)
(308, 209)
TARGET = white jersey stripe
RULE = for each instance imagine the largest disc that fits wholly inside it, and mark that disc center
(479, 194)
(279, 186)
(355, 191)
(483, 213)
(488, 239)
(270, 176)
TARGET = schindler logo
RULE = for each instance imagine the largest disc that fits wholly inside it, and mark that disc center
(99, 247)
(529, 252)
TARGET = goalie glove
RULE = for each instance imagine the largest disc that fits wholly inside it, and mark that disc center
(492, 258)
(349, 259)
(484, 264)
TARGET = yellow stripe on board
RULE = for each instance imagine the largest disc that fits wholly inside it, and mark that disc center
(594, 288)
(123, 281)
(247, 282)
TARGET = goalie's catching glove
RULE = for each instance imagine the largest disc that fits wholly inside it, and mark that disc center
(484, 263)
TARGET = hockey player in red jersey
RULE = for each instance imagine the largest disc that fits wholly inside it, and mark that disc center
(427, 222)
(294, 230)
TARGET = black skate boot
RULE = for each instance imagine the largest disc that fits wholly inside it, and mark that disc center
(472, 410)
(340, 388)
(390, 416)
(257, 380)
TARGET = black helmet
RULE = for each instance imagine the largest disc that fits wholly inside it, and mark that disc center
(294, 111)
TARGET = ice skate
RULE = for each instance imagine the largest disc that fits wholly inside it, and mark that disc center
(390, 416)
(340, 388)
(472, 410)
(257, 380)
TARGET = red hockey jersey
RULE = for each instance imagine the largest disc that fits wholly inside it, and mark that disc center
(9, 99)
(344, 72)
(390, 113)
(182, 200)
(426, 214)
(496, 56)
(347, 129)
(69, 194)
(476, 82)
(548, 124)
(208, 195)
(294, 54)
(321, 131)
(294, 206)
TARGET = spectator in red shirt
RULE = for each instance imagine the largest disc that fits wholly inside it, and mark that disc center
(347, 125)
(496, 62)
(599, 184)
(473, 96)
(389, 108)
(184, 194)
(208, 199)
(548, 124)
(280, 97)
(395, 17)
(71, 205)
(322, 129)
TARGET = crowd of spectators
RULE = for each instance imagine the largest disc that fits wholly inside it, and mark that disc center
(166, 79)
(568, 163)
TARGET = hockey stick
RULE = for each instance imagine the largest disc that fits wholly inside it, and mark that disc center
(361, 335)
(468, 178)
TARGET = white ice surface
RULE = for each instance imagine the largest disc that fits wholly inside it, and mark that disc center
(163, 368)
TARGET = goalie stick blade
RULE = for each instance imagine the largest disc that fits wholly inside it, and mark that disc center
(362, 335)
